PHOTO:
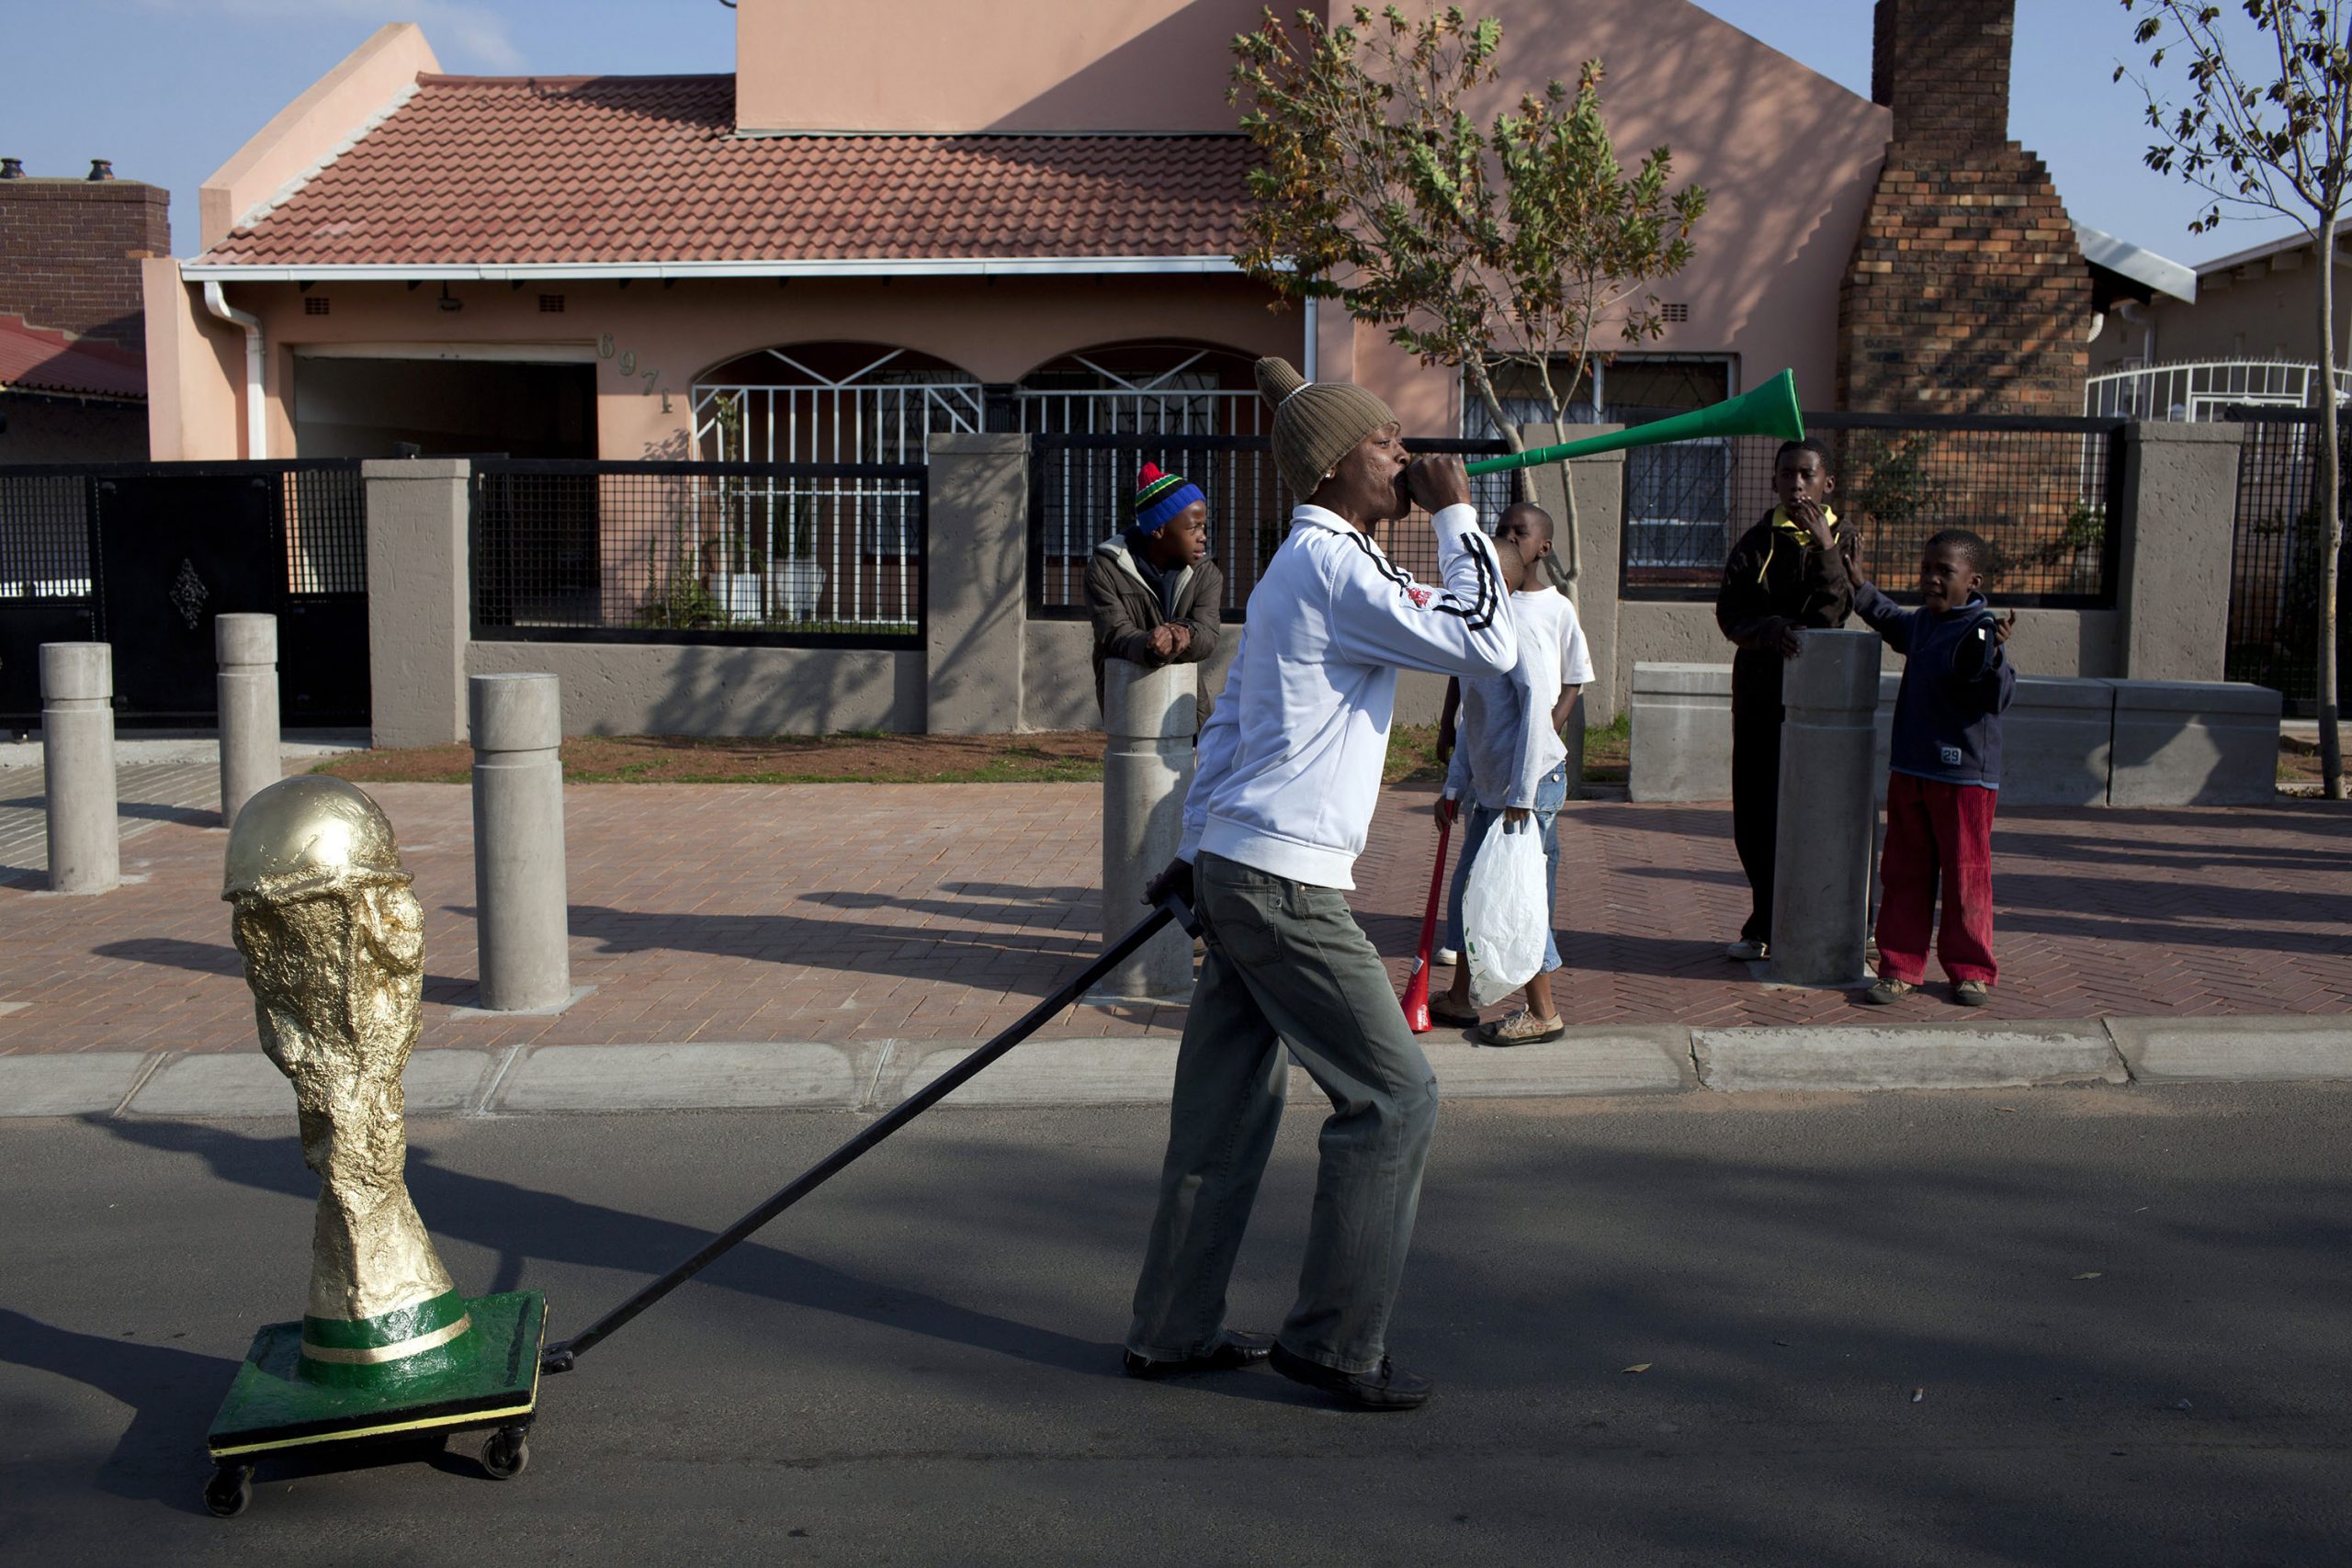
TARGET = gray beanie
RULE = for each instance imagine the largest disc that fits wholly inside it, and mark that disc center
(1315, 423)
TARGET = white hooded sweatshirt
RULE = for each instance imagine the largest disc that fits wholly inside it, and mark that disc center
(1290, 762)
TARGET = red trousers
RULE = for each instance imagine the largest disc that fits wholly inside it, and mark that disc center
(1937, 831)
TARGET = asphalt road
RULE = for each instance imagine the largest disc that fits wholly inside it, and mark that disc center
(2076, 1327)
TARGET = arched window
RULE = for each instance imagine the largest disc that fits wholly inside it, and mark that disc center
(831, 402)
(1162, 391)
(839, 549)
(1147, 388)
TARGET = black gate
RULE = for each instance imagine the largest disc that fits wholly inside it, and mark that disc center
(144, 557)
(2277, 558)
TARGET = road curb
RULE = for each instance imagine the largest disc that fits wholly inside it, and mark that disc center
(2234, 1050)
(872, 1076)
(1914, 1056)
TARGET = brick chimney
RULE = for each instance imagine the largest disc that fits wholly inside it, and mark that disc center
(70, 248)
(1966, 293)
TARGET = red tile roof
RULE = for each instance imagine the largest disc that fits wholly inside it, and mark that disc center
(488, 169)
(37, 359)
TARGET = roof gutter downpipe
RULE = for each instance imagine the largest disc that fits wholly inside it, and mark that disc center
(256, 415)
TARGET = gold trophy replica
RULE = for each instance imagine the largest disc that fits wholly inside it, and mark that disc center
(334, 943)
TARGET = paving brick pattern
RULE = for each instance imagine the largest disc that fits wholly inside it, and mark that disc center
(146, 795)
(941, 912)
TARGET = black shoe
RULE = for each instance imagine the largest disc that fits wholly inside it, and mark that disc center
(1238, 1348)
(1385, 1387)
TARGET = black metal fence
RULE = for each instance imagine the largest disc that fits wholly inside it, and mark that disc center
(1081, 489)
(144, 556)
(762, 553)
(2276, 557)
(2045, 494)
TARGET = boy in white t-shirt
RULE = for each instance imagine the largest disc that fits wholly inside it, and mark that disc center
(1509, 761)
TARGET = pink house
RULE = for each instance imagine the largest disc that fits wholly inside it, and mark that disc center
(1037, 201)
(951, 227)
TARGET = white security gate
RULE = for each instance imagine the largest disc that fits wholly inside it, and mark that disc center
(782, 540)
(1184, 400)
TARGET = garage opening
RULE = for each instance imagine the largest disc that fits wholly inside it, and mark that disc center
(355, 407)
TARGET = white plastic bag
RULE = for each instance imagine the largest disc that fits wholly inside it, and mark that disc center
(1504, 913)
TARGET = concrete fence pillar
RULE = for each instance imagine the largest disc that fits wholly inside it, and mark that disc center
(77, 766)
(2174, 559)
(519, 889)
(247, 647)
(975, 583)
(1828, 811)
(1148, 719)
(420, 608)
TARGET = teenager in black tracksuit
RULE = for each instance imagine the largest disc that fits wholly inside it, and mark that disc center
(1786, 573)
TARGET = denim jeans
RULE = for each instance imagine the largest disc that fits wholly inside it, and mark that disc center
(1286, 964)
(1551, 793)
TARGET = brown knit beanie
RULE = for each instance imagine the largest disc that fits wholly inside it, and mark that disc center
(1315, 423)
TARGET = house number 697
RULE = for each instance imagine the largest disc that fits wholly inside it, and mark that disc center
(624, 362)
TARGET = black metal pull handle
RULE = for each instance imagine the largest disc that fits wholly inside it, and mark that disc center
(562, 1357)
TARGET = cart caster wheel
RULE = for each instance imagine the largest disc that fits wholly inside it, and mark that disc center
(507, 1454)
(230, 1488)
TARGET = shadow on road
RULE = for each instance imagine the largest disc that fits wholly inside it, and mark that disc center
(172, 1394)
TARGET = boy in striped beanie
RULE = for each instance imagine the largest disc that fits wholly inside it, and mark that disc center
(1152, 592)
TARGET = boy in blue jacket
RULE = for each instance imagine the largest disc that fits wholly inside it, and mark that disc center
(1946, 769)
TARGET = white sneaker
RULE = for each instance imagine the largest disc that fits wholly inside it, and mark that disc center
(1446, 955)
(1746, 952)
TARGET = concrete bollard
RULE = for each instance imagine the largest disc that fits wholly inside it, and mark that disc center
(1828, 811)
(77, 766)
(1148, 719)
(247, 647)
(519, 891)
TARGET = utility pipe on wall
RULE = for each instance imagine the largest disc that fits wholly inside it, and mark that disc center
(256, 421)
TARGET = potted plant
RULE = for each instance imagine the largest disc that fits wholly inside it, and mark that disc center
(796, 583)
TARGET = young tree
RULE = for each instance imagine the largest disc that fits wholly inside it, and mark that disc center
(2266, 126)
(1522, 242)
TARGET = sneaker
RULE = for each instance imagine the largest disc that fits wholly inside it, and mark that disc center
(1887, 991)
(1522, 1028)
(1972, 993)
(1446, 955)
(1746, 952)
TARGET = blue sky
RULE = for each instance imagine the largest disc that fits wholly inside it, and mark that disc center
(254, 56)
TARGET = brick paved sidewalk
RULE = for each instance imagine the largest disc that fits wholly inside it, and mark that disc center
(933, 913)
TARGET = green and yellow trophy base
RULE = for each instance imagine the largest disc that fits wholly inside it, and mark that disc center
(456, 1363)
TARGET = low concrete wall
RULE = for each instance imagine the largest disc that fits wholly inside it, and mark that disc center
(2056, 740)
(1653, 631)
(988, 667)
(2063, 741)
(1681, 732)
(2048, 642)
(2194, 743)
(661, 689)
